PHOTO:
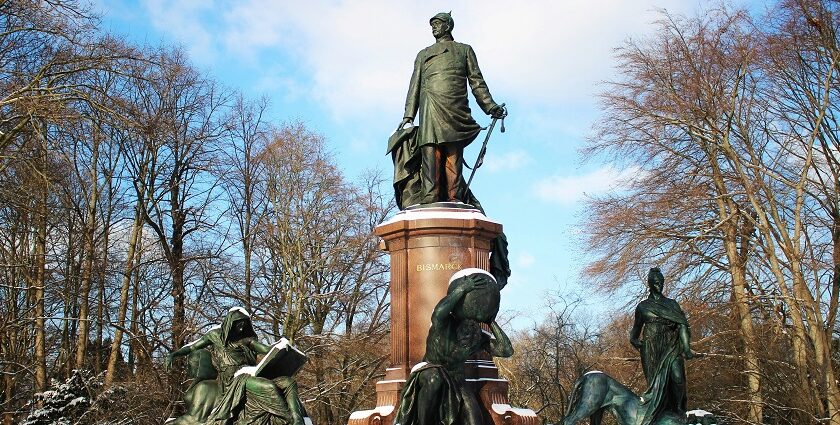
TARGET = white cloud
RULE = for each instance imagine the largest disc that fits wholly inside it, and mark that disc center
(357, 55)
(508, 161)
(524, 260)
(568, 190)
(183, 20)
(278, 80)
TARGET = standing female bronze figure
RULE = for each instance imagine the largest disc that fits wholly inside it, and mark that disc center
(660, 333)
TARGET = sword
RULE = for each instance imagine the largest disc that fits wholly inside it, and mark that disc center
(480, 160)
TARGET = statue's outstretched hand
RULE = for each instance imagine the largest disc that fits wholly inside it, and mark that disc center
(167, 364)
(635, 342)
(688, 354)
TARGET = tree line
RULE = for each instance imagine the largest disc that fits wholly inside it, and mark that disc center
(140, 198)
(731, 119)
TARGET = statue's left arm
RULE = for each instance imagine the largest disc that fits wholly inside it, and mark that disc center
(685, 336)
(202, 342)
(636, 332)
(259, 347)
(501, 346)
(479, 86)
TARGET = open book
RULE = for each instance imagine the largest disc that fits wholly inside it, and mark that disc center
(282, 360)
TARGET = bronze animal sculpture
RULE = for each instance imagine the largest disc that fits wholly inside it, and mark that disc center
(596, 392)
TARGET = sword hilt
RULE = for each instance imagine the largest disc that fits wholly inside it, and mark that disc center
(504, 114)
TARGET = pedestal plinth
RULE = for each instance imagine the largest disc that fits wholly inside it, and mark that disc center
(427, 246)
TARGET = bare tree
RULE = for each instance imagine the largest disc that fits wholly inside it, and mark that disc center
(139, 149)
(550, 356)
(322, 280)
(243, 179)
(180, 197)
(722, 116)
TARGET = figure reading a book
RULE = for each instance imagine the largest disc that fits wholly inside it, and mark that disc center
(660, 333)
(436, 392)
(263, 394)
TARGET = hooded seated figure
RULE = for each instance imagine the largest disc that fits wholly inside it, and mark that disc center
(436, 393)
(245, 399)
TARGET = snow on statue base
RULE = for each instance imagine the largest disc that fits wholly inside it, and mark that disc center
(427, 246)
(700, 417)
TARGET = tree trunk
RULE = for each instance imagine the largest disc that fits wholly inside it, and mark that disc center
(101, 308)
(728, 212)
(102, 314)
(178, 296)
(799, 339)
(38, 288)
(246, 246)
(8, 394)
(745, 326)
(822, 347)
(135, 318)
(87, 266)
(66, 350)
(133, 252)
(834, 298)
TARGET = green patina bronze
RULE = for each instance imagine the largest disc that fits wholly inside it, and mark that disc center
(661, 334)
(201, 396)
(237, 399)
(436, 393)
(428, 159)
(595, 393)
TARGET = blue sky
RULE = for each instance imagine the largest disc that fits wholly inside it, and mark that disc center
(342, 67)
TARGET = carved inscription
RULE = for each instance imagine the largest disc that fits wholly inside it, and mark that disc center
(429, 267)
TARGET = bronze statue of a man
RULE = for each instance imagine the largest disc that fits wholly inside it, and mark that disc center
(436, 392)
(438, 91)
(660, 333)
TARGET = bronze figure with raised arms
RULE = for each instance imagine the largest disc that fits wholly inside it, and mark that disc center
(436, 392)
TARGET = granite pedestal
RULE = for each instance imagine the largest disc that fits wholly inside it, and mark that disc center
(427, 246)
